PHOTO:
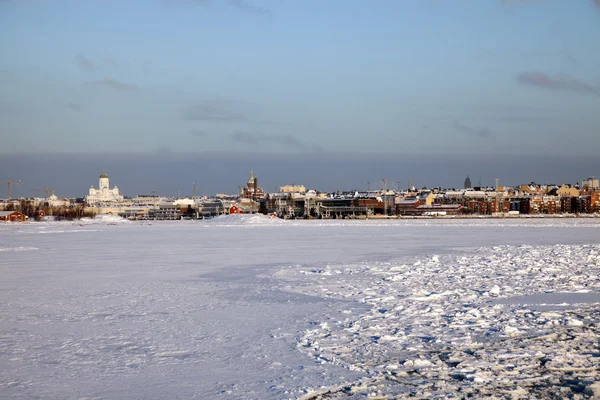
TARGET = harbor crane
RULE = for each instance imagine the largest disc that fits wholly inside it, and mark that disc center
(47, 191)
(10, 183)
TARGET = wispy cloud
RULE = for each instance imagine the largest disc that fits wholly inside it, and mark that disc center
(248, 7)
(75, 107)
(109, 61)
(517, 2)
(521, 1)
(558, 83)
(212, 111)
(245, 6)
(115, 84)
(84, 63)
(596, 3)
(316, 148)
(260, 138)
(520, 118)
(227, 111)
(146, 66)
(480, 132)
(197, 133)
(163, 149)
(184, 2)
(515, 113)
(568, 55)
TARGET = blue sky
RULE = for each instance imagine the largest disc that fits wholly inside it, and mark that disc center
(427, 77)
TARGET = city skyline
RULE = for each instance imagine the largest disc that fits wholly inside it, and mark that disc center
(320, 79)
(170, 174)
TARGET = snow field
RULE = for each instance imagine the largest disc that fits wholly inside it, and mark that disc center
(245, 307)
(435, 328)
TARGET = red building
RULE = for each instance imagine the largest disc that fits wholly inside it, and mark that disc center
(12, 216)
(595, 200)
(408, 206)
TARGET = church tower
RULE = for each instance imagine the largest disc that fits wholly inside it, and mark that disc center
(468, 183)
(103, 182)
(252, 181)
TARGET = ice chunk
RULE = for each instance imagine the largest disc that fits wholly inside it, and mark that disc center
(495, 291)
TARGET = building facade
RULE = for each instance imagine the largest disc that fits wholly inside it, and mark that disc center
(591, 183)
(251, 191)
(12, 216)
(292, 189)
(104, 194)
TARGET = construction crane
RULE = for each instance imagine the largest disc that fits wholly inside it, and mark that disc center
(47, 191)
(10, 183)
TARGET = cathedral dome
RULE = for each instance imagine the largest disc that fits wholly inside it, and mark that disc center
(103, 175)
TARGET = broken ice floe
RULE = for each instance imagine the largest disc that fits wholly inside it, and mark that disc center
(506, 321)
(20, 248)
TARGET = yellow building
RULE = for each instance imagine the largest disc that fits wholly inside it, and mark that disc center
(292, 189)
(568, 191)
(426, 197)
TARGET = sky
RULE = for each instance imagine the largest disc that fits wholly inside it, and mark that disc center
(320, 79)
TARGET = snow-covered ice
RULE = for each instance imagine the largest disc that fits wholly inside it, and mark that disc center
(248, 307)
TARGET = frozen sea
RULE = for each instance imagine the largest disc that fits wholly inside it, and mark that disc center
(244, 307)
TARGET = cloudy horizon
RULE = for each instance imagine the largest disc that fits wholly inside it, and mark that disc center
(172, 174)
(503, 78)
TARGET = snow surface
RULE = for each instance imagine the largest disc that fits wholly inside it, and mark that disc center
(248, 307)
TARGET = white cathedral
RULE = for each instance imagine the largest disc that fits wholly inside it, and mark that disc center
(104, 193)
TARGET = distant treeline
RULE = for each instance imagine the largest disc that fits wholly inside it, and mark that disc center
(37, 211)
